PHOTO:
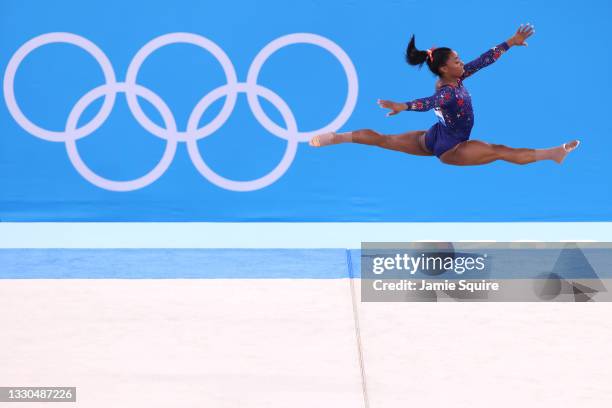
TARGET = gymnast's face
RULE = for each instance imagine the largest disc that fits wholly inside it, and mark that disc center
(453, 67)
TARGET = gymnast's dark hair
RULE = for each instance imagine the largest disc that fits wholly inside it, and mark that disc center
(418, 57)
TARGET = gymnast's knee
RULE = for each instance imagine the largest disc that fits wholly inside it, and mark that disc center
(368, 132)
(372, 135)
(498, 150)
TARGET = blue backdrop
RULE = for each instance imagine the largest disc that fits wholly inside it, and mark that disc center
(538, 96)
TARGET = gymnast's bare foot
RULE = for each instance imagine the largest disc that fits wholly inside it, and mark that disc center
(565, 149)
(331, 138)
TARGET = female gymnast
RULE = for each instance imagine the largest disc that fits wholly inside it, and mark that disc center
(449, 138)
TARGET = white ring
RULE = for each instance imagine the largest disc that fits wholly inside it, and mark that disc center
(24, 51)
(306, 38)
(105, 183)
(271, 177)
(174, 38)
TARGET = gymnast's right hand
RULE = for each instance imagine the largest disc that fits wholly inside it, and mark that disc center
(395, 107)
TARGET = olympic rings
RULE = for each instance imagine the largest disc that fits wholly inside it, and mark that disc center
(170, 133)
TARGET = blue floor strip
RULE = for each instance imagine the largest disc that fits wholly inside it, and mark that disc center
(269, 264)
(173, 263)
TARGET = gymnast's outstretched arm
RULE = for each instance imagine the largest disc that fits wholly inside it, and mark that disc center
(442, 97)
(492, 55)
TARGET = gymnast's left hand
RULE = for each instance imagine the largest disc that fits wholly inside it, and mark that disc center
(524, 32)
(395, 107)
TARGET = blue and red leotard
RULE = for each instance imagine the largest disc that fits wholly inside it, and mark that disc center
(453, 107)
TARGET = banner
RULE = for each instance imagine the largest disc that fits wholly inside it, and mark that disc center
(202, 111)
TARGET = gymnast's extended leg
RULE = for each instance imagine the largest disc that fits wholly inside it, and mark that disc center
(410, 142)
(476, 152)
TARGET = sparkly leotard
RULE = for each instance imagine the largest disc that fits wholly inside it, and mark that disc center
(453, 107)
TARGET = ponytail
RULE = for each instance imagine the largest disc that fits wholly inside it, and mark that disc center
(435, 57)
(414, 56)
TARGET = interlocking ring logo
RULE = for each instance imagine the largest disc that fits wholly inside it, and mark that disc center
(170, 132)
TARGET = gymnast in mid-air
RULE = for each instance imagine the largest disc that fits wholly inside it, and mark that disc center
(449, 138)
